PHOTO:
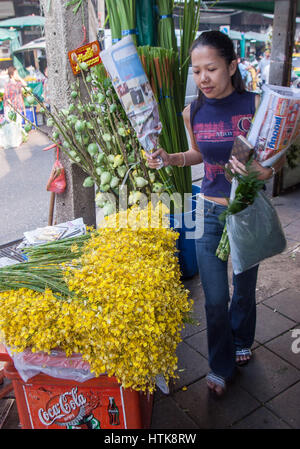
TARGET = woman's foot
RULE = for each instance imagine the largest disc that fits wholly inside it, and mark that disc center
(216, 384)
(242, 356)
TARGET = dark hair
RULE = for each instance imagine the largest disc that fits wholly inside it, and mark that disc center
(11, 70)
(224, 46)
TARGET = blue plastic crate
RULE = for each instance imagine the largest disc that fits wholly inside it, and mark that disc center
(31, 115)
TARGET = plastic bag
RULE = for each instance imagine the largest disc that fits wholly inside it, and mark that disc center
(57, 180)
(254, 234)
(56, 364)
(146, 25)
(11, 135)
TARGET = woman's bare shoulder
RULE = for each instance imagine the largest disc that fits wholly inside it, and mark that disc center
(186, 113)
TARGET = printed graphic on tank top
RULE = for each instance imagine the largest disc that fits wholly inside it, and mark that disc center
(215, 126)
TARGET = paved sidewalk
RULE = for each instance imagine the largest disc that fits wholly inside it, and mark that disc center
(266, 393)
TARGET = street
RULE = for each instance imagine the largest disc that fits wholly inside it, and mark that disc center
(24, 200)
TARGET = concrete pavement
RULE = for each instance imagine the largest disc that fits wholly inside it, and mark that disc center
(24, 200)
(266, 393)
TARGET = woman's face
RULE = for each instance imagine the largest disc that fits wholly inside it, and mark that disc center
(212, 74)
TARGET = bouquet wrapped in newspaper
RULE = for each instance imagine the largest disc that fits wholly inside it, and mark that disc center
(276, 123)
(130, 81)
(252, 230)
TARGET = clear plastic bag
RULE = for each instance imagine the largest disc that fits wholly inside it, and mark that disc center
(57, 364)
(254, 234)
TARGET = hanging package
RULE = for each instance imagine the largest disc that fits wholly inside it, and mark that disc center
(57, 180)
(255, 233)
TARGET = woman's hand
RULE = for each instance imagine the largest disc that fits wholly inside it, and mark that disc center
(154, 162)
(263, 173)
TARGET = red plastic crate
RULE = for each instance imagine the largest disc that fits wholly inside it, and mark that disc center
(46, 402)
(5, 386)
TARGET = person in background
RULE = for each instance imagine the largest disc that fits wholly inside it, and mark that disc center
(13, 101)
(46, 89)
(13, 96)
(213, 121)
(264, 67)
(243, 69)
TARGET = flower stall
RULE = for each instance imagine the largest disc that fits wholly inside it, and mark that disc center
(96, 133)
(91, 323)
(95, 317)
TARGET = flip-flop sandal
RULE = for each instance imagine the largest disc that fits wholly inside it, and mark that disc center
(241, 353)
(217, 381)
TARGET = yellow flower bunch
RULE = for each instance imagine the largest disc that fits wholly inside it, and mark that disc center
(129, 309)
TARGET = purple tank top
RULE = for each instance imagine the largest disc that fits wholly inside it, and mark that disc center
(215, 125)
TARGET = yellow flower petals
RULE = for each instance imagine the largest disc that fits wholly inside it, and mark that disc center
(130, 323)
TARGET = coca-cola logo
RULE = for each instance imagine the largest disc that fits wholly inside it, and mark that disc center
(63, 409)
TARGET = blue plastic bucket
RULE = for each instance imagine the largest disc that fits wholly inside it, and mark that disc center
(185, 224)
(31, 115)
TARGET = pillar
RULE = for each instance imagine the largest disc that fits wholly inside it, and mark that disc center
(63, 32)
(284, 24)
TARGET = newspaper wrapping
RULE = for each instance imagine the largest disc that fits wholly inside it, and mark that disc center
(134, 91)
(276, 123)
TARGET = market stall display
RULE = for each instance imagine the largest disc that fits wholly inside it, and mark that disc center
(117, 300)
(96, 131)
(113, 297)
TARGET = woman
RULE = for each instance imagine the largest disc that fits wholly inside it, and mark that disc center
(223, 110)
(13, 100)
(13, 91)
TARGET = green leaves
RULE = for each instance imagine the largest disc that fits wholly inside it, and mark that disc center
(12, 116)
(248, 187)
(78, 3)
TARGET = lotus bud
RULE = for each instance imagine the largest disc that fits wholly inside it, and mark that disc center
(140, 182)
(118, 160)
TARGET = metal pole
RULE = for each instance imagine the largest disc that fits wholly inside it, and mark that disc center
(284, 25)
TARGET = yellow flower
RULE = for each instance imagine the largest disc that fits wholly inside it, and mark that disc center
(128, 312)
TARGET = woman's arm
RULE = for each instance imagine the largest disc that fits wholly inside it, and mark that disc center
(264, 173)
(185, 158)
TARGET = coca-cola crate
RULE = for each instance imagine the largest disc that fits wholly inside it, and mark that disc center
(46, 402)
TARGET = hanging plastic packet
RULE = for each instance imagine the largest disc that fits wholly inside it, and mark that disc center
(132, 86)
(57, 180)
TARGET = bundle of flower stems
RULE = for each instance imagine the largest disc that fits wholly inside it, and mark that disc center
(159, 66)
(126, 12)
(114, 21)
(166, 28)
(43, 270)
(189, 23)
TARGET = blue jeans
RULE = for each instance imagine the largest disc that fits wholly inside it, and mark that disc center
(228, 327)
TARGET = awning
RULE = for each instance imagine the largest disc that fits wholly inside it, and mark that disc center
(235, 35)
(252, 36)
(8, 35)
(37, 44)
(266, 7)
(21, 22)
